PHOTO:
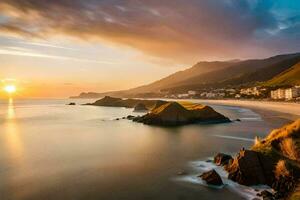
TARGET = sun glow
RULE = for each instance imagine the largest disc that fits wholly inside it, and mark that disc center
(10, 89)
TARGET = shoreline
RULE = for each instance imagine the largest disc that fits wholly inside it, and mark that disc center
(267, 110)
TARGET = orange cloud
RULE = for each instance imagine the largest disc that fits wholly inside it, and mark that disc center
(173, 30)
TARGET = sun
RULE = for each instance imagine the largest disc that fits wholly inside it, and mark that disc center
(10, 89)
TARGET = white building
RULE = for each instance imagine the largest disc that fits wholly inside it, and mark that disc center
(250, 91)
(192, 92)
(292, 93)
(183, 95)
(210, 95)
(278, 94)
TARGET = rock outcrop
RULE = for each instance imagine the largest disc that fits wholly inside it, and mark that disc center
(222, 159)
(158, 104)
(174, 114)
(252, 168)
(212, 178)
(140, 107)
(272, 161)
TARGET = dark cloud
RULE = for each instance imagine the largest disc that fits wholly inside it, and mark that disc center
(183, 30)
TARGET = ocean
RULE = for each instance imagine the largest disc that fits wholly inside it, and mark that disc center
(52, 151)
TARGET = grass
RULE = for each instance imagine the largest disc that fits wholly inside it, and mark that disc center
(281, 169)
(289, 77)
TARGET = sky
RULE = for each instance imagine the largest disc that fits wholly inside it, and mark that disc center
(60, 48)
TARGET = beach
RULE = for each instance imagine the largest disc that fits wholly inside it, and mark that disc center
(267, 109)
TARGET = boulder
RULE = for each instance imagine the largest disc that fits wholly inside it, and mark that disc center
(71, 104)
(212, 178)
(266, 195)
(130, 117)
(252, 168)
(222, 159)
(140, 107)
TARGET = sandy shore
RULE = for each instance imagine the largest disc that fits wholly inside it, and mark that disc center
(285, 110)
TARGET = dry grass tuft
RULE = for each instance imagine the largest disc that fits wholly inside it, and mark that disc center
(289, 149)
(281, 169)
(287, 138)
(257, 140)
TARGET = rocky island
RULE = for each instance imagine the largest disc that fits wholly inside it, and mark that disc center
(164, 113)
(126, 103)
(174, 114)
(272, 161)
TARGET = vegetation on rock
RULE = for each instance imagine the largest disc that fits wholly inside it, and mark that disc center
(174, 114)
(273, 161)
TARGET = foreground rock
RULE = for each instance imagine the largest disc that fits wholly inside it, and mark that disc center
(174, 114)
(212, 178)
(252, 168)
(222, 159)
(273, 161)
(140, 107)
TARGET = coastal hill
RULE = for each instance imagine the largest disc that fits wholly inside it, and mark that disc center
(290, 76)
(219, 74)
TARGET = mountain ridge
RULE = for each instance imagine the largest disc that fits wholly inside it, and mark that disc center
(215, 74)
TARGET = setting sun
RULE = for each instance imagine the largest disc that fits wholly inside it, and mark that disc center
(10, 89)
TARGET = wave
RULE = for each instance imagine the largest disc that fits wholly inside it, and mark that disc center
(235, 138)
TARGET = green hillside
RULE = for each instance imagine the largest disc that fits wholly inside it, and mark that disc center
(236, 73)
(290, 76)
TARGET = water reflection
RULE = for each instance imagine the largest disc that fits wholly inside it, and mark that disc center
(11, 131)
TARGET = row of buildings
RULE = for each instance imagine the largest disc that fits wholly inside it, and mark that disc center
(288, 93)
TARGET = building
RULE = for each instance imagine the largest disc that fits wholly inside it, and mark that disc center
(292, 93)
(210, 95)
(191, 92)
(278, 94)
(250, 91)
(288, 94)
(183, 95)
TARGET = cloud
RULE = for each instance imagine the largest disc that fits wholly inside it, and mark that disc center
(180, 30)
(17, 51)
(39, 44)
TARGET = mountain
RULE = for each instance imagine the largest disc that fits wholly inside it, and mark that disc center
(246, 72)
(290, 76)
(222, 74)
(178, 77)
(219, 74)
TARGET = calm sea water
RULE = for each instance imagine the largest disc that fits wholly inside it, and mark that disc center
(49, 150)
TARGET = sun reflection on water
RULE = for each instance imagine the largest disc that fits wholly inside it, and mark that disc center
(13, 140)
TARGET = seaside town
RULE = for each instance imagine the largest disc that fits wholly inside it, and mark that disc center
(259, 92)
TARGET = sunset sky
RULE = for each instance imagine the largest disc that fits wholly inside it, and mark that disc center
(60, 48)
